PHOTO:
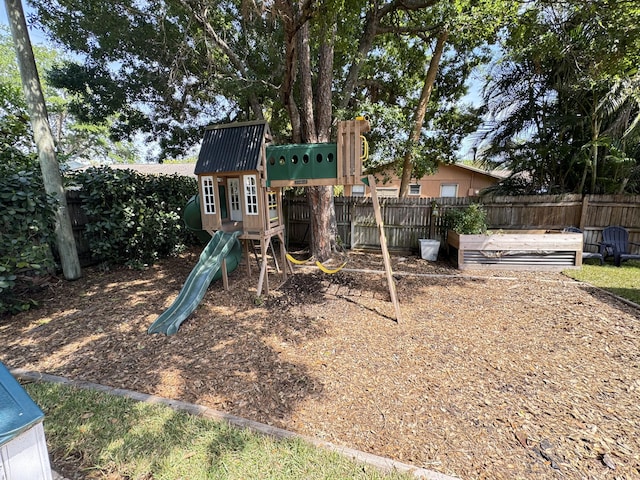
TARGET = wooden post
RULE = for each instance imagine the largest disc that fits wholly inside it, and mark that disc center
(225, 274)
(264, 276)
(287, 266)
(246, 256)
(383, 244)
(583, 212)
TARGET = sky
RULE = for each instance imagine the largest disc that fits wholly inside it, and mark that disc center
(37, 36)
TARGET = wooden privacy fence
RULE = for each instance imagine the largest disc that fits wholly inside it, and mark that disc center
(78, 222)
(408, 220)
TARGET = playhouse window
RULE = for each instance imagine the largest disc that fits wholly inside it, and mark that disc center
(208, 195)
(251, 194)
(272, 199)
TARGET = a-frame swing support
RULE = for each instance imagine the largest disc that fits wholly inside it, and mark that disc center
(371, 182)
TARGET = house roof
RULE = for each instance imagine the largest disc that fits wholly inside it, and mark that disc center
(497, 174)
(232, 148)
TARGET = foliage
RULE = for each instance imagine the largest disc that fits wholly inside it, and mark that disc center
(75, 140)
(165, 68)
(394, 74)
(134, 219)
(471, 220)
(563, 99)
(26, 233)
(117, 437)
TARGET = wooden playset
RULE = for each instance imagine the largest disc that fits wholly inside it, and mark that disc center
(240, 177)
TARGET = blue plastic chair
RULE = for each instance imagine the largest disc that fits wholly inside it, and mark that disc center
(615, 241)
(597, 255)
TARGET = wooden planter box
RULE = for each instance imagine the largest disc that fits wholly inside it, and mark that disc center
(517, 250)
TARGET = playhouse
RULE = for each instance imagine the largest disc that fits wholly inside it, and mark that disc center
(241, 174)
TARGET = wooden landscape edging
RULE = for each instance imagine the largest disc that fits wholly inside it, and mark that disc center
(382, 463)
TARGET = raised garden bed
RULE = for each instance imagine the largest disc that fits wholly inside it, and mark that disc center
(517, 250)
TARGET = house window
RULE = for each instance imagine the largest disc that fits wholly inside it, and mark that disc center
(272, 199)
(387, 192)
(208, 195)
(251, 194)
(449, 190)
(414, 189)
(357, 191)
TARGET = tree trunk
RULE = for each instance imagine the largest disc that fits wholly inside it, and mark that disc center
(311, 115)
(364, 47)
(594, 153)
(307, 116)
(421, 110)
(44, 139)
(324, 228)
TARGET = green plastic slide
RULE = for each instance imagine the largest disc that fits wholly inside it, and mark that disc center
(221, 246)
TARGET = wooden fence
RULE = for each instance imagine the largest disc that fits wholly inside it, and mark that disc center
(408, 220)
(78, 222)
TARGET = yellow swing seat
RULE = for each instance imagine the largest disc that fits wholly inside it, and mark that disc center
(330, 271)
(308, 261)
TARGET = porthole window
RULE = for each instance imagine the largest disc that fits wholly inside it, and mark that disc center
(294, 159)
(330, 157)
(319, 158)
(305, 159)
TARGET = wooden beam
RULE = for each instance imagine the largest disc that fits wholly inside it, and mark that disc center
(264, 277)
(583, 212)
(225, 274)
(383, 245)
(246, 256)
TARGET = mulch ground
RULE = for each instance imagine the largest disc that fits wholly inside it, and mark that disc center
(497, 375)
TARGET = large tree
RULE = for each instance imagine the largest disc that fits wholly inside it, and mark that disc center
(44, 139)
(170, 66)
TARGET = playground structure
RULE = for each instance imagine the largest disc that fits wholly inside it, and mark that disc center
(240, 178)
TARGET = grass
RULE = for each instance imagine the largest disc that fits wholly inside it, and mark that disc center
(623, 281)
(111, 437)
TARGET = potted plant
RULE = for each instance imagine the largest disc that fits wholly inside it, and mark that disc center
(471, 220)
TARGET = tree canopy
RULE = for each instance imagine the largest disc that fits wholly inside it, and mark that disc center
(564, 98)
(169, 67)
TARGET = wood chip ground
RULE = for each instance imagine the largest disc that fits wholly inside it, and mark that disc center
(498, 375)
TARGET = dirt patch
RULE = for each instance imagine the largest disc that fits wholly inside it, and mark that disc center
(500, 375)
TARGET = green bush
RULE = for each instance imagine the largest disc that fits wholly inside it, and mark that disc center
(27, 225)
(134, 219)
(471, 220)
